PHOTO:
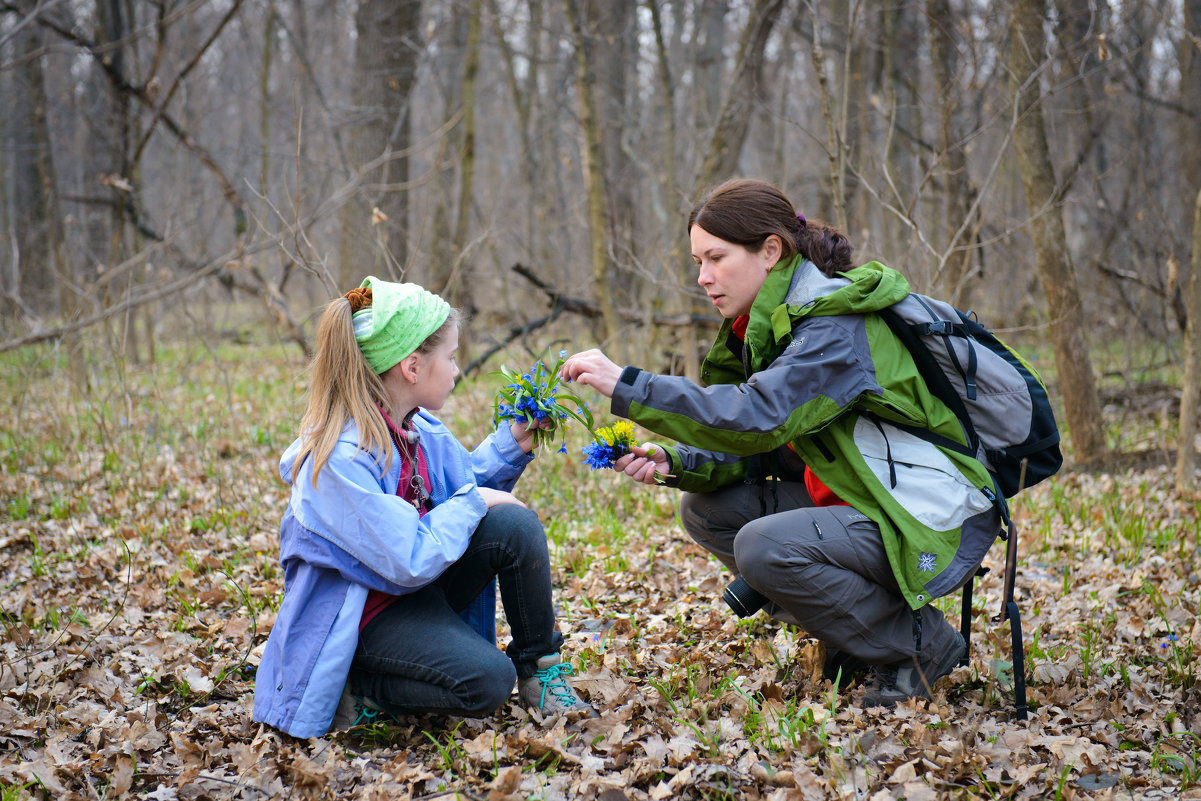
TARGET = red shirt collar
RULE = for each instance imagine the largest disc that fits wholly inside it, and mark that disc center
(739, 326)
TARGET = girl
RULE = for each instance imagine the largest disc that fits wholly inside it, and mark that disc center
(862, 523)
(393, 529)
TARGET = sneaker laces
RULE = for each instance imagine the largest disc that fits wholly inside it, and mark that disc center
(554, 680)
(367, 713)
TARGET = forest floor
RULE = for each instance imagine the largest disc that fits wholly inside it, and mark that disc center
(140, 577)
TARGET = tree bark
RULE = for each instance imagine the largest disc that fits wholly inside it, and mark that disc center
(1190, 91)
(1053, 262)
(1186, 452)
(594, 174)
(374, 222)
(462, 292)
(961, 223)
(31, 229)
(742, 95)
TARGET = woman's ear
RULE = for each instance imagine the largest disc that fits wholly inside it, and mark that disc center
(771, 250)
(410, 368)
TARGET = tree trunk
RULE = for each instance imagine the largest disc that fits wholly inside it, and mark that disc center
(742, 95)
(594, 176)
(462, 292)
(686, 356)
(1052, 260)
(960, 222)
(899, 78)
(374, 221)
(35, 277)
(1186, 452)
(1190, 91)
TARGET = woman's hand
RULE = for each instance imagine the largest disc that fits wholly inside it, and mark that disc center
(592, 369)
(495, 497)
(645, 463)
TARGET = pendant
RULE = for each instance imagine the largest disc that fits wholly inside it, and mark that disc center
(420, 496)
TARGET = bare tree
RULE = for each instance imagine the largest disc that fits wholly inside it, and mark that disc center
(1052, 260)
(594, 166)
(374, 222)
(744, 91)
(1190, 401)
(961, 222)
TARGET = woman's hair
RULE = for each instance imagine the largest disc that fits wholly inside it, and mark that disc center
(343, 386)
(747, 211)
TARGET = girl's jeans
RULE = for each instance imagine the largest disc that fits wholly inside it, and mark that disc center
(418, 655)
(825, 567)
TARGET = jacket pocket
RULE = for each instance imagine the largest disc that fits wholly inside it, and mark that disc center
(918, 475)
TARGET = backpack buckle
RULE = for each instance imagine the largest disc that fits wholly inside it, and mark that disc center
(942, 327)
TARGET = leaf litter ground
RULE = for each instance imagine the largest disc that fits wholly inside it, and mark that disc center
(140, 577)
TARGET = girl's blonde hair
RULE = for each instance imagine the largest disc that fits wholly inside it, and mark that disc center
(344, 388)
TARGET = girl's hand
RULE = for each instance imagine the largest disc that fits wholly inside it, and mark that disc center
(645, 463)
(523, 432)
(495, 497)
(592, 369)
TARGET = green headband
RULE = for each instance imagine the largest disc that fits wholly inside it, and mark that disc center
(399, 319)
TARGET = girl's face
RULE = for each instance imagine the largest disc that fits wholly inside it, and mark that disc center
(436, 372)
(730, 274)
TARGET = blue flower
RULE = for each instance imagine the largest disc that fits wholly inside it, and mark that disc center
(536, 397)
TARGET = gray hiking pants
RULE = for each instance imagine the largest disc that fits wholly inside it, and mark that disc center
(824, 566)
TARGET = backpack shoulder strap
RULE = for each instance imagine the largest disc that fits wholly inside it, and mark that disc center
(936, 380)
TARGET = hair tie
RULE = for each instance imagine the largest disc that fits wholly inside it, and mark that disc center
(359, 297)
(800, 218)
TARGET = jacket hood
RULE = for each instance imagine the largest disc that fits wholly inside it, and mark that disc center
(798, 290)
(869, 288)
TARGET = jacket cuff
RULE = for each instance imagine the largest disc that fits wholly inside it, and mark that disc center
(632, 383)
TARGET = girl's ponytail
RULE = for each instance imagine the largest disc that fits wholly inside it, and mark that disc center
(343, 388)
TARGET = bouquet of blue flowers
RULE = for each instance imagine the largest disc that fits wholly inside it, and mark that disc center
(609, 444)
(536, 397)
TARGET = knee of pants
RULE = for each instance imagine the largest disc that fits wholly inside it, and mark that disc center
(514, 524)
(694, 516)
(759, 559)
(489, 687)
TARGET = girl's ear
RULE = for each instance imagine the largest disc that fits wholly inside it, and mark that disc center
(409, 368)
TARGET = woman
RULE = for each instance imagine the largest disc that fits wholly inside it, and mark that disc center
(796, 477)
(393, 530)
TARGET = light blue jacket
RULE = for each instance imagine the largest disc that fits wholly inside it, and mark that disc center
(353, 534)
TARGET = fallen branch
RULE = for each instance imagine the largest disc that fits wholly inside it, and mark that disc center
(589, 308)
(514, 333)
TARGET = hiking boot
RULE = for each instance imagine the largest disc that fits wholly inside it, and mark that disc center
(841, 669)
(354, 711)
(550, 691)
(901, 681)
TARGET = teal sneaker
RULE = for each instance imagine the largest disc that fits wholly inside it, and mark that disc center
(550, 692)
(354, 711)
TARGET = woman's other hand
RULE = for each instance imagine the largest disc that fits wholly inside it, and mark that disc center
(592, 368)
(495, 497)
(646, 463)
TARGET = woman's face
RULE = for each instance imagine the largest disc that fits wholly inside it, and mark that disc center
(730, 274)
